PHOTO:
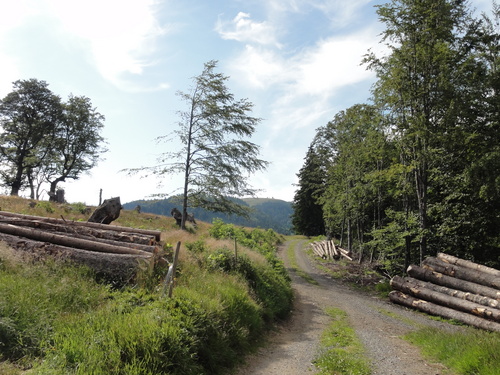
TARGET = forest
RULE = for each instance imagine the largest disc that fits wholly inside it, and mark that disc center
(415, 170)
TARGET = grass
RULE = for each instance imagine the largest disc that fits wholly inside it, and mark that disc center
(290, 253)
(341, 351)
(56, 318)
(467, 352)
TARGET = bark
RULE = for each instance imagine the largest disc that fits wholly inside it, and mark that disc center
(468, 264)
(429, 295)
(145, 232)
(431, 308)
(107, 212)
(117, 268)
(462, 273)
(58, 239)
(476, 298)
(98, 235)
(451, 282)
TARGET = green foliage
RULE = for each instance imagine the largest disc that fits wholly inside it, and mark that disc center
(307, 217)
(59, 320)
(470, 351)
(46, 206)
(417, 172)
(43, 139)
(33, 297)
(341, 352)
(271, 282)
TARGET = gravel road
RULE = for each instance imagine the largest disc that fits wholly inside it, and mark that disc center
(292, 348)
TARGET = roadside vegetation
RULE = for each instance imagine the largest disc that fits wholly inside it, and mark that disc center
(341, 351)
(57, 319)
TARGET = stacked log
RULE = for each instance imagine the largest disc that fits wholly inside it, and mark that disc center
(328, 250)
(453, 288)
(114, 252)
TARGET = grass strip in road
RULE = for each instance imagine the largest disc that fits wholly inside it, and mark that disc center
(471, 351)
(290, 253)
(341, 351)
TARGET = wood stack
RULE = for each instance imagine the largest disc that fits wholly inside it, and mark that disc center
(328, 250)
(452, 288)
(112, 251)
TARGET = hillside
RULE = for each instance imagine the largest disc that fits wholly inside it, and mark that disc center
(266, 213)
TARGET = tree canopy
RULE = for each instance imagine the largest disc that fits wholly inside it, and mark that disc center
(45, 140)
(216, 157)
(416, 172)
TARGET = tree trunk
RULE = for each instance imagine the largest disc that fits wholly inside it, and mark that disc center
(451, 282)
(429, 295)
(431, 308)
(468, 264)
(117, 268)
(462, 273)
(112, 238)
(115, 228)
(57, 239)
(476, 298)
(107, 212)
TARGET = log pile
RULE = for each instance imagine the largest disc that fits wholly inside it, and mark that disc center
(114, 252)
(452, 288)
(328, 250)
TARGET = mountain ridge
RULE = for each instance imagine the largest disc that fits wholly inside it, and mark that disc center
(267, 213)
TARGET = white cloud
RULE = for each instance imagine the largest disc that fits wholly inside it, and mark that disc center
(242, 29)
(120, 35)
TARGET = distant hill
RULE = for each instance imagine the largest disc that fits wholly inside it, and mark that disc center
(267, 213)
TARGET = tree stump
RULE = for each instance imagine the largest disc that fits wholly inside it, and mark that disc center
(107, 212)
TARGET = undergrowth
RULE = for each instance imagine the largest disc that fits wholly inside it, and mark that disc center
(466, 352)
(56, 318)
(341, 351)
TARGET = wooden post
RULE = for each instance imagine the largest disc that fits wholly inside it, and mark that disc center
(174, 267)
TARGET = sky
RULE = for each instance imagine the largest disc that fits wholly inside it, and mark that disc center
(297, 61)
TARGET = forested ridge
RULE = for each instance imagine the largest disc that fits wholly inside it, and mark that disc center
(264, 213)
(416, 170)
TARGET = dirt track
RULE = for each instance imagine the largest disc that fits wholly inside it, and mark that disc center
(292, 349)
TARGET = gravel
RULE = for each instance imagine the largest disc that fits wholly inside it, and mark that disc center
(378, 323)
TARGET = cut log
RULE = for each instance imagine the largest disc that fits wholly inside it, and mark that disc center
(107, 212)
(57, 239)
(97, 235)
(429, 295)
(462, 273)
(468, 264)
(431, 308)
(476, 298)
(117, 268)
(153, 233)
(451, 282)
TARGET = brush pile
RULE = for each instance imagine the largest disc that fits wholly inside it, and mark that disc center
(453, 288)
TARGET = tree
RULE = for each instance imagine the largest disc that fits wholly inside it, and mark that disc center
(78, 143)
(29, 118)
(419, 83)
(44, 139)
(307, 217)
(215, 158)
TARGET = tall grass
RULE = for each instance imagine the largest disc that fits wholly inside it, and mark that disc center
(57, 319)
(341, 352)
(469, 351)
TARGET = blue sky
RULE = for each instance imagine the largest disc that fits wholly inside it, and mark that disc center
(298, 61)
